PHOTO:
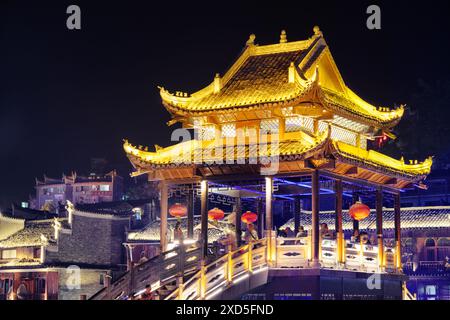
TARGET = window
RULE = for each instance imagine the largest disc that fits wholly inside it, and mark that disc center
(104, 187)
(206, 132)
(293, 124)
(429, 243)
(343, 135)
(229, 130)
(430, 290)
(9, 254)
(444, 242)
(269, 126)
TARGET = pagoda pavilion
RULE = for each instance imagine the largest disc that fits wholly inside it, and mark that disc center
(281, 124)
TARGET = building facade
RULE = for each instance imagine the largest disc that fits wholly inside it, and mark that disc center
(53, 193)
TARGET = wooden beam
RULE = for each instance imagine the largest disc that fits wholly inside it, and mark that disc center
(351, 171)
(391, 181)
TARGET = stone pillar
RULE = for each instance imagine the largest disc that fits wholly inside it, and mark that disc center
(204, 216)
(379, 212)
(398, 232)
(315, 236)
(340, 247)
(164, 193)
(190, 214)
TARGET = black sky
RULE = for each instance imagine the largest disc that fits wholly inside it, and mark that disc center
(67, 96)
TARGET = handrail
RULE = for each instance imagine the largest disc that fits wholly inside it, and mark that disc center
(164, 267)
(223, 271)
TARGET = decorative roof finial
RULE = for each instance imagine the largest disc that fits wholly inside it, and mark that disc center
(283, 37)
(251, 40)
(317, 31)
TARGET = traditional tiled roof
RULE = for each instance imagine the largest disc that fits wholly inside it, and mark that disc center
(380, 161)
(151, 232)
(277, 75)
(196, 152)
(119, 208)
(30, 236)
(192, 151)
(28, 214)
(411, 219)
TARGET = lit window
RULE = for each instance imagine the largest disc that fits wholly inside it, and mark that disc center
(430, 290)
(104, 187)
(269, 126)
(229, 130)
(293, 124)
(343, 135)
(9, 254)
(206, 133)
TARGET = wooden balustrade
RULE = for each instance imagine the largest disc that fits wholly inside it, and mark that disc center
(155, 272)
(221, 273)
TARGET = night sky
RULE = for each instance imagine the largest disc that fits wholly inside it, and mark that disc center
(68, 96)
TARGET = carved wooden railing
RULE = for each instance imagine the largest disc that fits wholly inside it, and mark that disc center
(223, 272)
(161, 269)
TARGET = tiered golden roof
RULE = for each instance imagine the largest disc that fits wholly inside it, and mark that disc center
(288, 79)
(280, 75)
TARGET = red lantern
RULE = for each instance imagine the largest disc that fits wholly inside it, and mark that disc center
(216, 214)
(359, 211)
(178, 210)
(249, 217)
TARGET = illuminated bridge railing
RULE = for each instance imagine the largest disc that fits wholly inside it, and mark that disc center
(210, 279)
(224, 272)
(295, 253)
(153, 273)
(427, 269)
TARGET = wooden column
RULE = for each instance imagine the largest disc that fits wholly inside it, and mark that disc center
(260, 213)
(355, 199)
(238, 230)
(338, 221)
(315, 245)
(204, 216)
(270, 235)
(379, 212)
(190, 215)
(164, 193)
(398, 232)
(269, 214)
(297, 213)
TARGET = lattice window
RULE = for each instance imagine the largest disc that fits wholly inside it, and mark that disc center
(323, 126)
(363, 143)
(269, 126)
(308, 124)
(229, 130)
(293, 124)
(343, 135)
(207, 132)
(288, 112)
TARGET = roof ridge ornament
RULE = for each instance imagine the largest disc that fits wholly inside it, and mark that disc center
(251, 40)
(317, 31)
(283, 36)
